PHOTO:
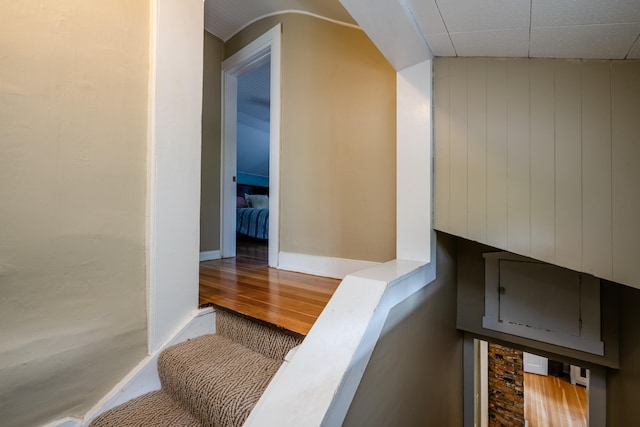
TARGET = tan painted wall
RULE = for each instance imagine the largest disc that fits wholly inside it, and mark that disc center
(540, 158)
(211, 124)
(73, 139)
(414, 377)
(338, 140)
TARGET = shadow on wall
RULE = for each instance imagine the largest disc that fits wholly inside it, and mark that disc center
(623, 385)
(414, 376)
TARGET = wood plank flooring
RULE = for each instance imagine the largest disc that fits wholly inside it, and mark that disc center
(247, 285)
(554, 402)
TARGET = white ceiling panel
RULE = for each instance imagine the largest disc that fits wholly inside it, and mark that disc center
(428, 16)
(607, 41)
(555, 13)
(461, 16)
(254, 92)
(634, 53)
(440, 44)
(409, 31)
(498, 43)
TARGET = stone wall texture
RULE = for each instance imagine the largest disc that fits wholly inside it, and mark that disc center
(506, 387)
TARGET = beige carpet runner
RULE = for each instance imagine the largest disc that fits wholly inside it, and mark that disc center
(212, 380)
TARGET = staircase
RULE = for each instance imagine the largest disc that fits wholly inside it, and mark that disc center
(212, 380)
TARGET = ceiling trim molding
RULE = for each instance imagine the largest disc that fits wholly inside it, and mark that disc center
(296, 11)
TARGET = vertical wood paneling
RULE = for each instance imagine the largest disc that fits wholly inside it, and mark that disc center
(540, 157)
(442, 84)
(518, 225)
(596, 168)
(625, 141)
(477, 149)
(458, 138)
(497, 153)
(568, 200)
(542, 161)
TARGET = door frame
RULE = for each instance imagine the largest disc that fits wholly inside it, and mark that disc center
(267, 46)
(596, 391)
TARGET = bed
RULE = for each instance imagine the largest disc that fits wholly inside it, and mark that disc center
(253, 222)
(252, 212)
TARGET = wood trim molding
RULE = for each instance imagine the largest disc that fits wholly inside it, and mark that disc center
(337, 268)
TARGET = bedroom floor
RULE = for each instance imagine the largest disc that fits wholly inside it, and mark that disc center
(247, 285)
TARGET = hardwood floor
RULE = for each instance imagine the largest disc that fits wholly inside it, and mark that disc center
(247, 285)
(554, 402)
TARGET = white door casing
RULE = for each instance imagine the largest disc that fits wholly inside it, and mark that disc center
(265, 47)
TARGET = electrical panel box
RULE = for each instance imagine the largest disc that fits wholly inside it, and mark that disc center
(543, 302)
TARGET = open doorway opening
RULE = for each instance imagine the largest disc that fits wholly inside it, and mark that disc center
(252, 163)
(238, 278)
(250, 118)
(518, 388)
(555, 392)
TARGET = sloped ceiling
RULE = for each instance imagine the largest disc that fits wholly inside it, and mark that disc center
(254, 93)
(599, 29)
(224, 18)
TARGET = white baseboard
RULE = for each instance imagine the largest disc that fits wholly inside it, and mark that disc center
(144, 377)
(209, 255)
(337, 268)
(65, 422)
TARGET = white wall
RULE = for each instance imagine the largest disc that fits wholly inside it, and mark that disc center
(540, 158)
(414, 131)
(174, 165)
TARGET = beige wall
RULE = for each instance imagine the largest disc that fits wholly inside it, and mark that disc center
(73, 123)
(211, 124)
(540, 158)
(414, 376)
(338, 140)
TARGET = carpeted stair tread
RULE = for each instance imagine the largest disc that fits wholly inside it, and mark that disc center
(217, 379)
(151, 409)
(212, 380)
(271, 342)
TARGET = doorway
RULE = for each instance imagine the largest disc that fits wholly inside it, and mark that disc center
(264, 52)
(518, 388)
(252, 165)
(555, 393)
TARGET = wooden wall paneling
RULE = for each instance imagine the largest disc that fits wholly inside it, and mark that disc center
(442, 84)
(497, 153)
(518, 178)
(542, 161)
(625, 102)
(458, 139)
(568, 200)
(477, 149)
(596, 168)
